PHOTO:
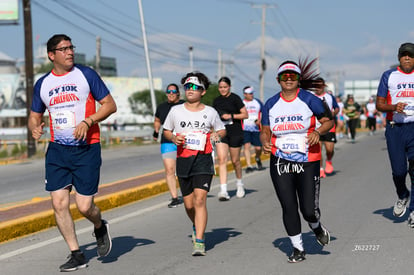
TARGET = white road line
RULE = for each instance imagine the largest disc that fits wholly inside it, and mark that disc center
(88, 230)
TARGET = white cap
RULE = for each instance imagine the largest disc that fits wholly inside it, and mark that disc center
(288, 67)
(248, 90)
(194, 80)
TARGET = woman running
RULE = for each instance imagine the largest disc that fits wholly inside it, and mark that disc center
(232, 111)
(290, 135)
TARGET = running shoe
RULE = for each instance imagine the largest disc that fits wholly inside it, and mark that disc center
(103, 239)
(76, 261)
(328, 167)
(249, 169)
(199, 249)
(174, 203)
(297, 256)
(223, 196)
(400, 207)
(322, 235)
(322, 173)
(411, 220)
(259, 164)
(240, 191)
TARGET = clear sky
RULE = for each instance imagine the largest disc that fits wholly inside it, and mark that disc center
(354, 40)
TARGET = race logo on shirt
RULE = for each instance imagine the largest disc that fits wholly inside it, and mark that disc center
(63, 94)
(288, 123)
(192, 124)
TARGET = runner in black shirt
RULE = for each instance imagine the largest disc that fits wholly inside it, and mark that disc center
(232, 111)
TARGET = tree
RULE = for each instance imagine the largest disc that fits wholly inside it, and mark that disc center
(44, 68)
(141, 101)
(211, 94)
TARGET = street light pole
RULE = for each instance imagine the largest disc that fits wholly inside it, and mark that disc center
(28, 45)
(144, 37)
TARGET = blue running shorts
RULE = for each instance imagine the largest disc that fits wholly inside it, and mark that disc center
(252, 138)
(77, 166)
(168, 151)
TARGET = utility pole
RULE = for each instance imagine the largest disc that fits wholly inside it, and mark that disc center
(190, 50)
(144, 37)
(262, 48)
(98, 55)
(28, 49)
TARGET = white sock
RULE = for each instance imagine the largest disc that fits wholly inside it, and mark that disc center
(297, 241)
(239, 182)
(223, 187)
(314, 225)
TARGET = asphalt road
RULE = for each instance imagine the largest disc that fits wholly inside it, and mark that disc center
(246, 236)
(25, 181)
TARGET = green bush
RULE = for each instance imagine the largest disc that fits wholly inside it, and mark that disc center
(4, 154)
(16, 150)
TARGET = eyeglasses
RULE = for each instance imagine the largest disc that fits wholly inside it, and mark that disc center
(171, 92)
(286, 76)
(194, 87)
(65, 49)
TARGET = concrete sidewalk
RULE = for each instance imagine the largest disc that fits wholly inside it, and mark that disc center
(30, 217)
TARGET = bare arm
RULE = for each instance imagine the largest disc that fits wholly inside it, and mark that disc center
(108, 107)
(383, 106)
(243, 114)
(335, 112)
(176, 139)
(221, 133)
(326, 125)
(157, 127)
(35, 124)
(265, 139)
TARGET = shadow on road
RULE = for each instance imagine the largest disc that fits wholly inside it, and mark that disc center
(388, 213)
(120, 246)
(219, 235)
(309, 243)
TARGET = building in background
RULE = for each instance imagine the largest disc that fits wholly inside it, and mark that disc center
(362, 90)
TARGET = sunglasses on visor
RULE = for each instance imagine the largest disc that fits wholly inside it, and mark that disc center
(194, 87)
(286, 76)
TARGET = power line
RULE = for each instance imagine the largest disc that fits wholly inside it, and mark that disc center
(51, 12)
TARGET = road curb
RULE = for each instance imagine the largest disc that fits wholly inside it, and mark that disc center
(44, 220)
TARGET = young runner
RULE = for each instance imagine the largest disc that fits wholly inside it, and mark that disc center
(189, 126)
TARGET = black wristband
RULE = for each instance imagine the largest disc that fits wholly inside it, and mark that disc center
(84, 121)
(232, 117)
(155, 134)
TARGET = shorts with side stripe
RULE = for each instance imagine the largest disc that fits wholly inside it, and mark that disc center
(77, 166)
(329, 137)
(187, 185)
(168, 150)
